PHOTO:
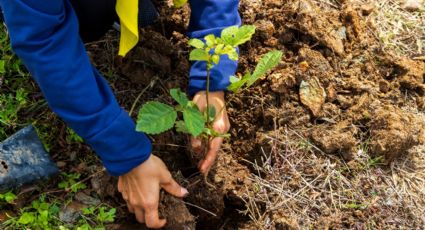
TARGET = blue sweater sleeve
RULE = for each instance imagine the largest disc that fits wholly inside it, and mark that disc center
(44, 34)
(211, 17)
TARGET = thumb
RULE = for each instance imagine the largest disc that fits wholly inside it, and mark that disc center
(174, 188)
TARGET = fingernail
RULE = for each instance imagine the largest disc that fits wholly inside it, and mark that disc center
(184, 191)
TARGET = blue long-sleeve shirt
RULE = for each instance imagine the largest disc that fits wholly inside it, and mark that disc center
(44, 34)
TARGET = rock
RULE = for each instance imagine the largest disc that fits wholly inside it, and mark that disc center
(413, 5)
(71, 212)
(86, 199)
(265, 28)
(312, 95)
(367, 9)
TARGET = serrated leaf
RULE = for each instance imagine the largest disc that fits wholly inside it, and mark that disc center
(210, 40)
(197, 43)
(179, 3)
(199, 55)
(266, 63)
(235, 35)
(180, 97)
(193, 120)
(238, 83)
(155, 117)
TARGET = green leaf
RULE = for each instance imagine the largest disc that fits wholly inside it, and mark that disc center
(199, 55)
(63, 184)
(210, 40)
(8, 197)
(197, 43)
(179, 3)
(235, 35)
(267, 62)
(194, 120)
(181, 127)
(212, 112)
(180, 97)
(233, 55)
(2, 67)
(219, 49)
(234, 79)
(26, 218)
(238, 83)
(155, 117)
(216, 59)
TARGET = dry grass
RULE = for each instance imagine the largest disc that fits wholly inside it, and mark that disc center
(399, 29)
(301, 187)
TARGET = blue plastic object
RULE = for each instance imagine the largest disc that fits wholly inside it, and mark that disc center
(23, 160)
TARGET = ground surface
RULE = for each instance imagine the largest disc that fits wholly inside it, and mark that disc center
(332, 138)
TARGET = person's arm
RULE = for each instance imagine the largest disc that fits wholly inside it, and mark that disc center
(44, 34)
(211, 17)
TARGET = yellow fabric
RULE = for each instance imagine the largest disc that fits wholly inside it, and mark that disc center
(127, 11)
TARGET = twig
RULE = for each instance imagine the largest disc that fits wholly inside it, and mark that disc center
(200, 208)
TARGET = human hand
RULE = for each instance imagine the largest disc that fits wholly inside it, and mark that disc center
(141, 186)
(221, 125)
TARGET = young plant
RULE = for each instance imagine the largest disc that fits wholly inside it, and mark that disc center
(156, 117)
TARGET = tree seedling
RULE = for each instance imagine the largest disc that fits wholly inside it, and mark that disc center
(155, 117)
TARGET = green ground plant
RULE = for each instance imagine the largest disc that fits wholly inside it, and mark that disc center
(156, 117)
(7, 198)
(70, 183)
(43, 214)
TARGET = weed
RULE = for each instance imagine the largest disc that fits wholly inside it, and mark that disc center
(69, 182)
(72, 137)
(40, 215)
(98, 216)
(10, 105)
(7, 198)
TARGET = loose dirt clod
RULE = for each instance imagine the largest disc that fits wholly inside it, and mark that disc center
(394, 132)
(177, 215)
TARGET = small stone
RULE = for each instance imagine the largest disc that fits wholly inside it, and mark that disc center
(86, 199)
(71, 212)
(367, 9)
(413, 5)
(61, 164)
(312, 95)
(265, 28)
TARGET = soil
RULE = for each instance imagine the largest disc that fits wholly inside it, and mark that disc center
(334, 85)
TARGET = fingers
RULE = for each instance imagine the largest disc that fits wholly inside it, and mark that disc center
(214, 147)
(130, 208)
(152, 218)
(196, 144)
(140, 215)
(172, 187)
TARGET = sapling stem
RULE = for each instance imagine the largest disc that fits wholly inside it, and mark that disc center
(207, 91)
